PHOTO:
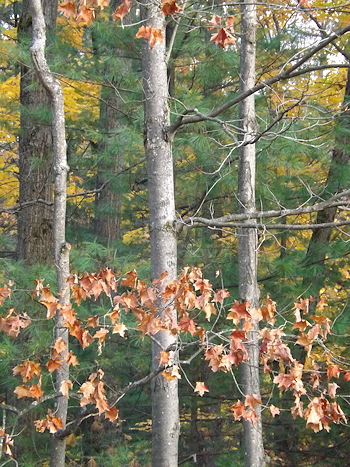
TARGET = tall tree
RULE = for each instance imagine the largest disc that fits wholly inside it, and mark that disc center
(61, 247)
(165, 416)
(35, 235)
(247, 237)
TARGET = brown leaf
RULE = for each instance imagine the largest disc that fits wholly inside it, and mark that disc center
(252, 400)
(27, 370)
(86, 15)
(274, 410)
(112, 413)
(130, 281)
(122, 10)
(333, 371)
(220, 295)
(200, 388)
(170, 7)
(223, 38)
(152, 35)
(120, 329)
(60, 345)
(164, 357)
(238, 410)
(65, 386)
(68, 9)
(215, 23)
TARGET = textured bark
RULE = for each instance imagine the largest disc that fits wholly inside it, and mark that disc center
(165, 416)
(320, 238)
(108, 201)
(247, 238)
(61, 247)
(35, 236)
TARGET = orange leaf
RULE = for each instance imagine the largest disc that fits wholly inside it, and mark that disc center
(60, 345)
(220, 295)
(120, 329)
(71, 359)
(122, 10)
(130, 281)
(65, 386)
(252, 400)
(274, 410)
(112, 413)
(164, 357)
(170, 7)
(54, 364)
(223, 38)
(22, 391)
(238, 410)
(92, 321)
(215, 22)
(200, 388)
(36, 392)
(68, 9)
(86, 15)
(347, 376)
(152, 35)
(333, 371)
(27, 370)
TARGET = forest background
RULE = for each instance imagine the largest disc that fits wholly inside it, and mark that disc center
(300, 135)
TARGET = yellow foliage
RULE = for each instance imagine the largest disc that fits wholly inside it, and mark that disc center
(138, 236)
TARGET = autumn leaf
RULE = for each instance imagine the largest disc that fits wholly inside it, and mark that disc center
(120, 329)
(86, 15)
(51, 423)
(65, 386)
(152, 35)
(92, 321)
(68, 9)
(170, 7)
(215, 22)
(223, 38)
(27, 370)
(239, 311)
(112, 414)
(13, 323)
(22, 391)
(60, 345)
(209, 309)
(173, 373)
(238, 410)
(71, 359)
(347, 376)
(164, 357)
(333, 371)
(274, 410)
(7, 443)
(200, 388)
(220, 295)
(130, 280)
(252, 400)
(332, 389)
(54, 364)
(304, 3)
(122, 10)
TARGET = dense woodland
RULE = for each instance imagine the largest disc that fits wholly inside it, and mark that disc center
(174, 233)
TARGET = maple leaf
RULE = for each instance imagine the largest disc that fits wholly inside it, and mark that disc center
(161, 278)
(13, 323)
(68, 9)
(122, 10)
(252, 400)
(173, 373)
(71, 359)
(187, 325)
(215, 23)
(347, 376)
(130, 281)
(220, 295)
(238, 410)
(22, 391)
(7, 443)
(213, 354)
(239, 311)
(314, 420)
(112, 413)
(223, 38)
(65, 386)
(304, 340)
(164, 357)
(92, 321)
(54, 364)
(201, 388)
(120, 329)
(274, 410)
(333, 371)
(51, 423)
(209, 309)
(5, 292)
(332, 389)
(152, 35)
(60, 345)
(101, 335)
(36, 392)
(170, 7)
(86, 15)
(27, 370)
(304, 3)
(302, 325)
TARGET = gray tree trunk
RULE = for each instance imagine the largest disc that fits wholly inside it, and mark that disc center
(61, 247)
(165, 416)
(35, 236)
(247, 238)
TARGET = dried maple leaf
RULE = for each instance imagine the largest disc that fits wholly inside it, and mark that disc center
(71, 359)
(200, 388)
(170, 7)
(209, 309)
(86, 15)
(65, 386)
(239, 311)
(252, 400)
(332, 389)
(274, 410)
(347, 376)
(223, 38)
(112, 413)
(215, 22)
(238, 410)
(220, 295)
(54, 364)
(173, 373)
(122, 10)
(120, 329)
(60, 345)
(333, 371)
(164, 357)
(130, 281)
(22, 391)
(152, 35)
(7, 442)
(187, 325)
(27, 370)
(68, 9)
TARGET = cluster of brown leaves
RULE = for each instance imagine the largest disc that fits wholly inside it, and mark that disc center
(224, 36)
(7, 442)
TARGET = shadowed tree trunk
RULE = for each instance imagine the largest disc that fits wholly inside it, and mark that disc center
(165, 410)
(337, 180)
(35, 236)
(61, 247)
(247, 238)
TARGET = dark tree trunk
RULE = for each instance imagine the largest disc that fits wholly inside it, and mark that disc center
(35, 236)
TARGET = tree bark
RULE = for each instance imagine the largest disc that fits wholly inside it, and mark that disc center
(247, 238)
(61, 247)
(35, 236)
(317, 250)
(165, 416)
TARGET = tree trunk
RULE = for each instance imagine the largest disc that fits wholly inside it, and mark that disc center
(35, 236)
(337, 180)
(61, 247)
(165, 416)
(247, 238)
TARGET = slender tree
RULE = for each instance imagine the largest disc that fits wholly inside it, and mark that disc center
(61, 247)
(165, 416)
(247, 238)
